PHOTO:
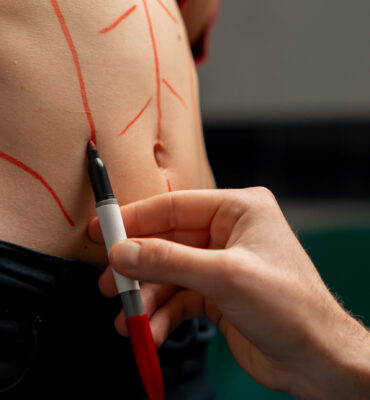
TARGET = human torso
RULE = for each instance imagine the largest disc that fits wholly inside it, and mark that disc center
(116, 71)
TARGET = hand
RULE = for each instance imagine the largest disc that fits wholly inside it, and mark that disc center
(238, 262)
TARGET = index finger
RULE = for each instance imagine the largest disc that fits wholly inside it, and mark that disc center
(180, 210)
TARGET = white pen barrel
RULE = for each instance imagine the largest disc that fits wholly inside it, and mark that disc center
(111, 224)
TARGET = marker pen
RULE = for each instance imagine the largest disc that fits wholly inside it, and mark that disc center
(111, 223)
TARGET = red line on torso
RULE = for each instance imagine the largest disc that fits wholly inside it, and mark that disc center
(173, 91)
(169, 185)
(40, 179)
(136, 118)
(118, 20)
(72, 48)
(174, 19)
(156, 61)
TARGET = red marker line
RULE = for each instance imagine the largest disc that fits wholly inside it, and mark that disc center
(136, 118)
(167, 11)
(72, 48)
(40, 179)
(174, 92)
(169, 185)
(156, 61)
(118, 20)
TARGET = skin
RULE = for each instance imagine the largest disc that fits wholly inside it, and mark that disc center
(43, 122)
(196, 15)
(231, 255)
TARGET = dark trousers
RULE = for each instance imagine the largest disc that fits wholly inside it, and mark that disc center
(57, 336)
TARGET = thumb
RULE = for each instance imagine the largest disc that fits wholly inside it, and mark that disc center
(162, 261)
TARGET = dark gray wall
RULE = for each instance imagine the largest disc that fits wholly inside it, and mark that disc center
(284, 59)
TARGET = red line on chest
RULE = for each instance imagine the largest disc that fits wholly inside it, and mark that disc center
(136, 118)
(157, 74)
(118, 20)
(174, 19)
(73, 50)
(173, 91)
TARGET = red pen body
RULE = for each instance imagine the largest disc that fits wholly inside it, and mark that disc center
(137, 320)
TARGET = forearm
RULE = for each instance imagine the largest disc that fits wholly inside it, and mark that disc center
(340, 363)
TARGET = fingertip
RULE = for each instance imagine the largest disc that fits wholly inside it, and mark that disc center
(94, 231)
(106, 284)
(159, 336)
(157, 343)
(115, 248)
(120, 324)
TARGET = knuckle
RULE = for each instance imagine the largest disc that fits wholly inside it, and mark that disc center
(264, 192)
(227, 214)
(234, 210)
(262, 197)
(233, 205)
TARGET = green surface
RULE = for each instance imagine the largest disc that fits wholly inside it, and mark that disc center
(342, 257)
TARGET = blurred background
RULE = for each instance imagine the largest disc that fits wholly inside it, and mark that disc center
(285, 97)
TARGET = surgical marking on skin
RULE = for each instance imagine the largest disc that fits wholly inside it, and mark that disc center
(136, 118)
(158, 145)
(173, 91)
(174, 19)
(157, 72)
(38, 177)
(76, 61)
(118, 20)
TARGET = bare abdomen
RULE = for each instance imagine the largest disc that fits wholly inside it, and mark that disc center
(118, 72)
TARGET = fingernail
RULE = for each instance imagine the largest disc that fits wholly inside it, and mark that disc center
(126, 253)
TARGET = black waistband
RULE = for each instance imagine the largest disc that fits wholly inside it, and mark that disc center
(42, 284)
(30, 279)
(62, 298)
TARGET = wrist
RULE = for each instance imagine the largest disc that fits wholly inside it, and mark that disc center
(338, 366)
